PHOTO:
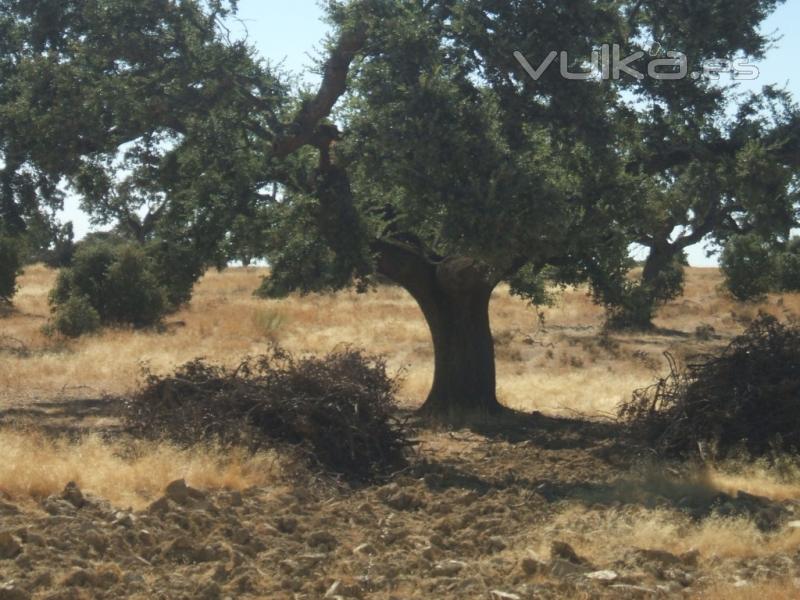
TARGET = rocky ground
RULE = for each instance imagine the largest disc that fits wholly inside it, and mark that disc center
(478, 514)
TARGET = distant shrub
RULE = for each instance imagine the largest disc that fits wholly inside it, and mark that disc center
(634, 308)
(705, 332)
(788, 267)
(749, 267)
(75, 317)
(10, 268)
(269, 322)
(633, 304)
(117, 281)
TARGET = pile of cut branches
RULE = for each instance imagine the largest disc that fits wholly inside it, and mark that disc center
(339, 408)
(745, 399)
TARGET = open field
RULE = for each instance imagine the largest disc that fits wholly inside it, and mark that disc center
(478, 511)
(562, 367)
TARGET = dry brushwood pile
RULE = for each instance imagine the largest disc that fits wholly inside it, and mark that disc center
(339, 409)
(745, 399)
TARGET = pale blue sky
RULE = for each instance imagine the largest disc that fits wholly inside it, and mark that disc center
(290, 31)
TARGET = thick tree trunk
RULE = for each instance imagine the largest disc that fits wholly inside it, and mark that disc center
(658, 259)
(454, 297)
(464, 372)
(638, 306)
(641, 308)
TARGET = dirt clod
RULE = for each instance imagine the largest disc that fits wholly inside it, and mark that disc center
(10, 546)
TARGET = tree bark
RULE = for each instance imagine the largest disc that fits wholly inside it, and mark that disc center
(658, 259)
(454, 296)
(635, 309)
(464, 371)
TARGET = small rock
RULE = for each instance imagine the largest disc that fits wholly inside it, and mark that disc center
(323, 539)
(603, 576)
(123, 519)
(287, 525)
(678, 575)
(160, 506)
(496, 544)
(564, 551)
(366, 548)
(793, 524)
(9, 591)
(431, 553)
(108, 577)
(690, 558)
(9, 546)
(178, 491)
(289, 566)
(449, 568)
(564, 568)
(662, 557)
(58, 506)
(97, 541)
(388, 490)
(147, 538)
(670, 587)
(403, 500)
(73, 495)
(498, 595)
(185, 551)
(532, 566)
(80, 578)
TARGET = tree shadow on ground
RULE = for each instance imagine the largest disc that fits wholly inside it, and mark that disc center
(596, 464)
(69, 417)
(693, 495)
(553, 433)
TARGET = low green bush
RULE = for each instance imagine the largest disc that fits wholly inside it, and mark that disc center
(118, 282)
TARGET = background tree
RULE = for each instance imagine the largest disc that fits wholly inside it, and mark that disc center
(717, 177)
(748, 264)
(125, 104)
(788, 266)
(10, 267)
(754, 265)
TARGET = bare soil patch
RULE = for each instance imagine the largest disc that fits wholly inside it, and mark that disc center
(525, 507)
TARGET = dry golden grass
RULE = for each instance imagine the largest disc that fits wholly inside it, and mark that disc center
(34, 467)
(568, 368)
(774, 590)
(664, 529)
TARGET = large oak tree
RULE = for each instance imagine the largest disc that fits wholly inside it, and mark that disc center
(427, 155)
